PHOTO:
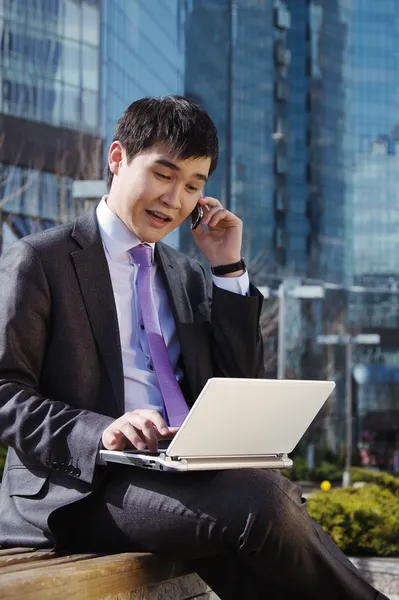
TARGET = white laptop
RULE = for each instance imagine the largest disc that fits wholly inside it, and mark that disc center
(237, 423)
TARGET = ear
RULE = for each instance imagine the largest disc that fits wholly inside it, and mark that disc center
(115, 155)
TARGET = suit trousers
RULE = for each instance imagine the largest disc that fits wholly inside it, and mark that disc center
(246, 532)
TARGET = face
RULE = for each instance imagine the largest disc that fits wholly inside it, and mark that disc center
(155, 192)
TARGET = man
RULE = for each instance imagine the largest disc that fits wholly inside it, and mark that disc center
(79, 369)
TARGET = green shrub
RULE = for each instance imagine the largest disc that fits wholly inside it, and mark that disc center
(299, 471)
(361, 521)
(326, 470)
(385, 480)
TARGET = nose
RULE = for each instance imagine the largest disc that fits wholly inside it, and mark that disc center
(172, 198)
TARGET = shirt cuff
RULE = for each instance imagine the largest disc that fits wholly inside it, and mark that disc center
(237, 285)
(99, 460)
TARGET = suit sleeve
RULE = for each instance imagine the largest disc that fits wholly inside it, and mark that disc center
(237, 340)
(36, 426)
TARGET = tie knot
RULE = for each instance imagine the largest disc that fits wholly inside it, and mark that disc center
(142, 255)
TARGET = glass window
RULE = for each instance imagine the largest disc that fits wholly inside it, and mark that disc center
(34, 14)
(91, 23)
(90, 110)
(72, 18)
(71, 114)
(10, 186)
(31, 181)
(90, 67)
(49, 200)
(51, 101)
(71, 62)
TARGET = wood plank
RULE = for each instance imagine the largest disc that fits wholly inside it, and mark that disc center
(90, 579)
(5, 551)
(35, 561)
(9, 559)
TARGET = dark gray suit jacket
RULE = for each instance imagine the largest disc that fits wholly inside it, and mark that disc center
(61, 377)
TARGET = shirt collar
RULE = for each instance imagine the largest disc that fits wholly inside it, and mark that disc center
(116, 237)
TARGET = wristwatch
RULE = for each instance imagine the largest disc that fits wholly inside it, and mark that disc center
(231, 268)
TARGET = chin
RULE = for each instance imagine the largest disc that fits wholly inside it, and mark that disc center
(151, 237)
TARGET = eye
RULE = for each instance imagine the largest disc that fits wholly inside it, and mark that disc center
(192, 188)
(162, 176)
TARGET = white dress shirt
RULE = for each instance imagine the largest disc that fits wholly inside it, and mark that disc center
(140, 381)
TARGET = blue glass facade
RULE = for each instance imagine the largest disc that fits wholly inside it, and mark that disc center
(239, 76)
(142, 54)
(342, 113)
(301, 210)
(50, 61)
(49, 85)
(372, 143)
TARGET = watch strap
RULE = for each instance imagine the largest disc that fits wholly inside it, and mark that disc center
(231, 268)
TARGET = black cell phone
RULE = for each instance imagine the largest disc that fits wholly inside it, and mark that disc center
(196, 216)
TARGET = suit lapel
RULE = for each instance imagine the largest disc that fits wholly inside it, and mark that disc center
(96, 287)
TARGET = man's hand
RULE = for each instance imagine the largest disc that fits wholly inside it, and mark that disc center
(139, 429)
(221, 244)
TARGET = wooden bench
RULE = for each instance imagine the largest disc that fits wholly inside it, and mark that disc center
(28, 574)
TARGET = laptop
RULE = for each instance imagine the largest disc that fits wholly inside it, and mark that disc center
(236, 423)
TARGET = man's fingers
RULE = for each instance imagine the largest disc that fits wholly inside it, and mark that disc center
(209, 202)
(211, 213)
(156, 419)
(140, 428)
(173, 430)
(113, 439)
(134, 435)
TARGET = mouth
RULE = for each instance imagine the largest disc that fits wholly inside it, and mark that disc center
(159, 217)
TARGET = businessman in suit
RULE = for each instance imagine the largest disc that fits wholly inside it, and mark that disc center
(81, 306)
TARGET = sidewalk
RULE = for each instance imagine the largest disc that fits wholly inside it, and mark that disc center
(382, 573)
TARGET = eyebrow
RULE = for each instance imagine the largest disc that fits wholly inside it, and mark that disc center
(166, 163)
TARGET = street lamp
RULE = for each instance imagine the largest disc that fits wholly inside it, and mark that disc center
(348, 341)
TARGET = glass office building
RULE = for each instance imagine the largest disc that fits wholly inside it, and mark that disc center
(372, 167)
(50, 62)
(317, 41)
(68, 69)
(142, 55)
(239, 76)
(344, 82)
(49, 107)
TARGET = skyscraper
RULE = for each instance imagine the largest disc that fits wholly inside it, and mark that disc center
(142, 55)
(349, 172)
(236, 67)
(49, 108)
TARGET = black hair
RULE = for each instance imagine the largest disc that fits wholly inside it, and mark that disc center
(182, 125)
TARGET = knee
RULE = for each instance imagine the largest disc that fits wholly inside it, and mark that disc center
(262, 503)
(260, 492)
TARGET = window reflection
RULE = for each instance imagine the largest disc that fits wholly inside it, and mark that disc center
(10, 184)
(90, 67)
(44, 65)
(90, 110)
(72, 109)
(71, 62)
(72, 19)
(91, 23)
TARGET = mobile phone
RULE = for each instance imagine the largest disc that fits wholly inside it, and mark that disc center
(196, 217)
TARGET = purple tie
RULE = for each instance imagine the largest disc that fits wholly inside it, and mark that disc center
(175, 406)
